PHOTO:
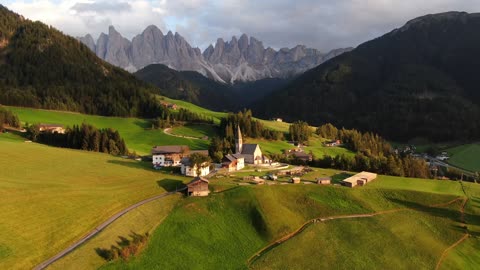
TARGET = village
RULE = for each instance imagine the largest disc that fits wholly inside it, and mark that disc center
(248, 165)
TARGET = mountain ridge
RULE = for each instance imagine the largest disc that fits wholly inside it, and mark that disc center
(238, 60)
(417, 81)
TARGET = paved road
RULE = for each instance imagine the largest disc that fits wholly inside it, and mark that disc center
(99, 228)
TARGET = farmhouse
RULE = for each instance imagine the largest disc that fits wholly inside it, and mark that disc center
(198, 187)
(295, 180)
(233, 162)
(300, 155)
(51, 128)
(333, 143)
(324, 180)
(250, 152)
(359, 179)
(189, 169)
(169, 155)
(276, 119)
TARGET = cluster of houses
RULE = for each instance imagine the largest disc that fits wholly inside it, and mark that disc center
(332, 143)
(53, 128)
(299, 154)
(179, 156)
(169, 105)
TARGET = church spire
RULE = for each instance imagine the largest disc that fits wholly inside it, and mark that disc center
(238, 141)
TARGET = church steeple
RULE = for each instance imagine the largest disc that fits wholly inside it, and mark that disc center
(238, 141)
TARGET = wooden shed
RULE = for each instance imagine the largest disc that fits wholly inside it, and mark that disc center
(198, 187)
(324, 180)
(295, 180)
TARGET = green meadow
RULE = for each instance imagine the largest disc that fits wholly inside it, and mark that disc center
(137, 132)
(466, 156)
(50, 197)
(224, 230)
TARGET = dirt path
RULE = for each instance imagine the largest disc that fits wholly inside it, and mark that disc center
(99, 228)
(277, 242)
(168, 132)
(463, 238)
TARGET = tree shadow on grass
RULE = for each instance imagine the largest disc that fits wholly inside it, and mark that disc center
(170, 184)
(337, 178)
(471, 220)
(115, 250)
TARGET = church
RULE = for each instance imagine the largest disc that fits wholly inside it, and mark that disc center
(251, 152)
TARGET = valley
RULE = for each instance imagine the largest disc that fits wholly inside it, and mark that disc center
(142, 151)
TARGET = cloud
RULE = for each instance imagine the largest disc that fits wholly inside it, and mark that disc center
(101, 7)
(322, 24)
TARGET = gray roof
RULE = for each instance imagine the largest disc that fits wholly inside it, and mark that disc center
(249, 149)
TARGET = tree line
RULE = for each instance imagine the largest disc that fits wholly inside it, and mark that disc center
(373, 153)
(171, 118)
(8, 118)
(84, 137)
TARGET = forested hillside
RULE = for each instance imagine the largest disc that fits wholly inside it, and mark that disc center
(417, 81)
(41, 67)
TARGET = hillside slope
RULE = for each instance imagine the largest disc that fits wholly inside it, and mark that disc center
(416, 81)
(43, 68)
(195, 88)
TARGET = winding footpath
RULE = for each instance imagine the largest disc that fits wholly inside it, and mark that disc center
(277, 242)
(99, 228)
(168, 132)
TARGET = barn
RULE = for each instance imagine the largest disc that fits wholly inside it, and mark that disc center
(198, 187)
(359, 179)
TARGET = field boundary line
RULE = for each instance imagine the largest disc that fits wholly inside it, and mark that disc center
(100, 227)
(285, 238)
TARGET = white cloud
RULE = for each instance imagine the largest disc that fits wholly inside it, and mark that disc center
(322, 24)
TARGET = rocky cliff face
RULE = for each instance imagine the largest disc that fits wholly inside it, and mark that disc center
(243, 59)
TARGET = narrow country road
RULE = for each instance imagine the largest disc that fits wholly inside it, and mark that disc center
(99, 228)
(168, 132)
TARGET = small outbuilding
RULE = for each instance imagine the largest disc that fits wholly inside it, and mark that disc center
(295, 180)
(324, 180)
(359, 179)
(198, 187)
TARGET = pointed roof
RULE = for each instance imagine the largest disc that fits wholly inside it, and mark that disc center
(239, 133)
(197, 180)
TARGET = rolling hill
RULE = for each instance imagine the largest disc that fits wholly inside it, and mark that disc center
(195, 88)
(417, 81)
(41, 67)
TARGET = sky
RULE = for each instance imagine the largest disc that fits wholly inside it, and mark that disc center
(320, 24)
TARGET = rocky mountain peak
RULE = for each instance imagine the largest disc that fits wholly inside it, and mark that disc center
(242, 59)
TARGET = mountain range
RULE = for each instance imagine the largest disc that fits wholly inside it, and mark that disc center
(418, 81)
(239, 60)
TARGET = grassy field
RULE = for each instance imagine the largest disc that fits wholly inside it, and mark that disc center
(140, 221)
(135, 131)
(465, 156)
(225, 229)
(274, 125)
(196, 131)
(50, 197)
(315, 146)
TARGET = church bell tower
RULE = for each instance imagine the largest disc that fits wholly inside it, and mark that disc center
(238, 141)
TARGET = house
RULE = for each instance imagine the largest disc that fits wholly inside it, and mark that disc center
(169, 155)
(189, 169)
(54, 128)
(277, 119)
(250, 152)
(300, 155)
(198, 187)
(332, 143)
(359, 179)
(295, 180)
(324, 180)
(233, 162)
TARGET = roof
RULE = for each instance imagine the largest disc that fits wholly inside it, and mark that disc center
(196, 180)
(249, 149)
(301, 154)
(323, 178)
(363, 175)
(203, 152)
(232, 157)
(50, 125)
(170, 149)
